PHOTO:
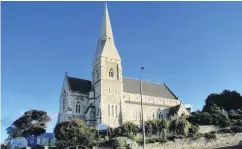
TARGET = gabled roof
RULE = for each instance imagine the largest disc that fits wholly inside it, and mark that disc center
(148, 88)
(174, 110)
(129, 86)
(79, 85)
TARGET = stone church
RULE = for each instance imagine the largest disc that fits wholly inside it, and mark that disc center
(111, 99)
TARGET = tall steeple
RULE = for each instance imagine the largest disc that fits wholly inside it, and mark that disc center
(106, 46)
(106, 30)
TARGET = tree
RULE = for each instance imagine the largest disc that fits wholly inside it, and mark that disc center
(220, 119)
(94, 130)
(13, 132)
(180, 126)
(215, 117)
(235, 114)
(3, 146)
(211, 107)
(73, 133)
(227, 100)
(129, 128)
(148, 127)
(32, 122)
(162, 127)
(201, 118)
(118, 131)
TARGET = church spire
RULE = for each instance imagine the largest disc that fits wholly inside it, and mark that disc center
(106, 46)
(106, 30)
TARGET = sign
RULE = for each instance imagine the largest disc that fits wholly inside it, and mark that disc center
(102, 127)
(18, 142)
(32, 141)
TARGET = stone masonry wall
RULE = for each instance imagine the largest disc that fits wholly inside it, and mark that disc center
(222, 140)
(208, 128)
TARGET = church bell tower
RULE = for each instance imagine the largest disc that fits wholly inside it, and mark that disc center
(107, 75)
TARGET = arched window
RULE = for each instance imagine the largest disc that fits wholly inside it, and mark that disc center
(109, 90)
(111, 73)
(112, 111)
(161, 115)
(116, 110)
(108, 110)
(78, 108)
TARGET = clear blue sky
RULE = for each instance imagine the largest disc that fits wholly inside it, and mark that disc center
(195, 47)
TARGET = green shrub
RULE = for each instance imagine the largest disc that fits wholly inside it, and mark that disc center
(119, 142)
(3, 146)
(238, 123)
(105, 143)
(210, 136)
(197, 136)
(151, 140)
(221, 120)
(137, 138)
(193, 129)
(237, 129)
(123, 142)
(154, 140)
(173, 137)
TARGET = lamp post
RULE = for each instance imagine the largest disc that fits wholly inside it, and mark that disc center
(142, 111)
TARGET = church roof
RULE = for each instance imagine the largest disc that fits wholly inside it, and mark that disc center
(79, 85)
(129, 86)
(148, 88)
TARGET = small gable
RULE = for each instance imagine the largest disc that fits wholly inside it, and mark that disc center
(79, 85)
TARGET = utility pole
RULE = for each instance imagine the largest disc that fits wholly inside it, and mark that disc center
(142, 110)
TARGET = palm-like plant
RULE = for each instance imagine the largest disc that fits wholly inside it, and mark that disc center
(129, 128)
(148, 127)
(162, 126)
(180, 125)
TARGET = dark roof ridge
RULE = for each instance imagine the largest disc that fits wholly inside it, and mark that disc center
(77, 78)
(170, 90)
(82, 86)
(144, 80)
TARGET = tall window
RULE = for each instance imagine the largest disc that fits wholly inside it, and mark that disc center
(161, 115)
(111, 73)
(108, 110)
(109, 90)
(78, 108)
(112, 111)
(116, 110)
